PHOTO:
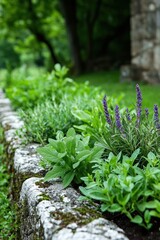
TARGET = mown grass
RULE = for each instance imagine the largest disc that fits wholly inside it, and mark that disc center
(110, 82)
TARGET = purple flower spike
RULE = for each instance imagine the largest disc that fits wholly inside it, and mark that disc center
(139, 103)
(146, 112)
(128, 115)
(105, 107)
(118, 119)
(156, 117)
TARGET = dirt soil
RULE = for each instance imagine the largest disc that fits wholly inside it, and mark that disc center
(133, 231)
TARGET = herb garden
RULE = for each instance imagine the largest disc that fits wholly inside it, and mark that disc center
(110, 154)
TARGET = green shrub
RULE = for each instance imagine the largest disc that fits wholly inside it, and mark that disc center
(122, 186)
(47, 118)
(122, 130)
(27, 91)
(69, 157)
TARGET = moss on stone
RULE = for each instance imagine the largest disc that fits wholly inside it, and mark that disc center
(42, 184)
(81, 216)
(44, 197)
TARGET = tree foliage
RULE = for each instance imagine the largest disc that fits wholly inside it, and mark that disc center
(76, 32)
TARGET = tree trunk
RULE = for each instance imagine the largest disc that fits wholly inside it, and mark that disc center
(91, 21)
(37, 31)
(69, 12)
(40, 36)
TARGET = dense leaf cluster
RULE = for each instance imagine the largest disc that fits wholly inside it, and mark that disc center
(112, 153)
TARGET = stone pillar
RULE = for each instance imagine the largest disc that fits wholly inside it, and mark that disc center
(145, 40)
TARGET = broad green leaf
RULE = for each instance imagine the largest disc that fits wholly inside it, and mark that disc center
(148, 193)
(157, 186)
(71, 133)
(104, 207)
(68, 179)
(48, 154)
(86, 140)
(151, 156)
(94, 194)
(154, 213)
(82, 115)
(115, 207)
(83, 155)
(137, 219)
(61, 147)
(80, 146)
(52, 143)
(81, 127)
(57, 171)
(61, 155)
(59, 135)
(70, 145)
(123, 199)
(57, 67)
(110, 182)
(141, 206)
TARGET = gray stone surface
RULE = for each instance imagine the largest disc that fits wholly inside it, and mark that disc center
(62, 216)
(99, 229)
(26, 160)
(145, 40)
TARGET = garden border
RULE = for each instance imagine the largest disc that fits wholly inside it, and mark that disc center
(46, 210)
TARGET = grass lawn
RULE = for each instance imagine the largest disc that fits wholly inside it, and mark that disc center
(110, 82)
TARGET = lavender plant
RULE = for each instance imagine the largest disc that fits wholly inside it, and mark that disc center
(122, 129)
(132, 129)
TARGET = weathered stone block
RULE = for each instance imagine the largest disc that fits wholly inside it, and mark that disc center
(151, 76)
(62, 215)
(157, 58)
(145, 39)
(26, 160)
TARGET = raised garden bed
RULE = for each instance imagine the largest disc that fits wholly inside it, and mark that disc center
(47, 211)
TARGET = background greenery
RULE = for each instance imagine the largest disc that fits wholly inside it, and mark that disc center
(93, 41)
(76, 33)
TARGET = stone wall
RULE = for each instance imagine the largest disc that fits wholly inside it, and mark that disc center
(145, 40)
(46, 210)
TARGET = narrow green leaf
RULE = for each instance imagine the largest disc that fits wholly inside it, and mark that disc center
(135, 154)
(75, 165)
(147, 216)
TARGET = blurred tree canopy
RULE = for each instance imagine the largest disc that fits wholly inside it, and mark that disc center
(81, 34)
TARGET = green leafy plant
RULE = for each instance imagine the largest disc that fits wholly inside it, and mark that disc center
(26, 92)
(7, 213)
(69, 157)
(49, 117)
(46, 118)
(122, 130)
(122, 186)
